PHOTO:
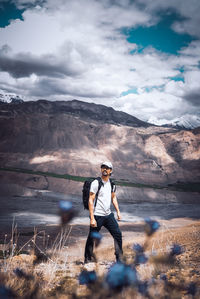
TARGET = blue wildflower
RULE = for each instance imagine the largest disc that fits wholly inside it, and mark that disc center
(138, 248)
(191, 289)
(65, 206)
(176, 250)
(121, 275)
(163, 277)
(151, 226)
(6, 293)
(140, 258)
(67, 211)
(96, 237)
(143, 287)
(87, 277)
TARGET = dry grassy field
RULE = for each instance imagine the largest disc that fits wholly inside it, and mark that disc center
(41, 268)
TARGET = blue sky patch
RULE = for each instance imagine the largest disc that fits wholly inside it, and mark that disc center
(177, 78)
(8, 12)
(146, 89)
(160, 36)
(181, 69)
(151, 88)
(129, 91)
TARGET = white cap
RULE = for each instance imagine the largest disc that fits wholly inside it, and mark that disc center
(107, 163)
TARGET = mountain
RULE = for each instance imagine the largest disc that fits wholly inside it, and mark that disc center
(186, 121)
(10, 98)
(75, 137)
(80, 109)
(108, 115)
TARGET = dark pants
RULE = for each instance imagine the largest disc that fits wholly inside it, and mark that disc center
(112, 226)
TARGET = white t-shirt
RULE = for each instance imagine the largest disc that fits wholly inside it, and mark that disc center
(104, 198)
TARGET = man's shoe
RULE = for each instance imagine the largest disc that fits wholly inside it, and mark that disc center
(89, 266)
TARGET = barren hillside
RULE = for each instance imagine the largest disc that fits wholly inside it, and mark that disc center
(75, 137)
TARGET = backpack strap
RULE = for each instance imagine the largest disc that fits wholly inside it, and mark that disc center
(100, 185)
(113, 185)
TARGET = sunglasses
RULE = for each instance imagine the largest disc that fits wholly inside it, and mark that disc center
(105, 167)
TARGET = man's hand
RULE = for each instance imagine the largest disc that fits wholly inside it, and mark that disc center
(115, 204)
(93, 222)
(119, 216)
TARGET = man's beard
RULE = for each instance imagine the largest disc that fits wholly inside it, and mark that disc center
(105, 173)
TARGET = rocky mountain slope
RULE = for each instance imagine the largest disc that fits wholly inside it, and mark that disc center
(84, 110)
(75, 137)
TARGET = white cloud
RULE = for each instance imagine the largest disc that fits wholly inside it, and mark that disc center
(175, 88)
(192, 79)
(146, 105)
(85, 43)
(38, 34)
(21, 4)
(187, 9)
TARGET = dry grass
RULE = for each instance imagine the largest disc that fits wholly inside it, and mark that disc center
(57, 276)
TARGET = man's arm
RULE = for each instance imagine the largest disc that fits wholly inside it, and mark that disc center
(116, 206)
(91, 209)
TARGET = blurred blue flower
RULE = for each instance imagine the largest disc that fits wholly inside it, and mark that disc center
(143, 287)
(65, 205)
(87, 277)
(96, 237)
(121, 275)
(151, 226)
(67, 211)
(140, 258)
(176, 250)
(163, 276)
(138, 248)
(6, 293)
(192, 289)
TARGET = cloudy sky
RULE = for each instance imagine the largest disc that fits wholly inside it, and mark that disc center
(138, 56)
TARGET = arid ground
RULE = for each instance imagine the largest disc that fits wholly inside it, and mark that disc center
(53, 256)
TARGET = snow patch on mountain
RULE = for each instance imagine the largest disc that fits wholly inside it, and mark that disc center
(187, 121)
(10, 98)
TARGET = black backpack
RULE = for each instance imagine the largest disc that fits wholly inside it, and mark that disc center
(86, 191)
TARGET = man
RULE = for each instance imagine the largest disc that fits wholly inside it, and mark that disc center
(100, 214)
